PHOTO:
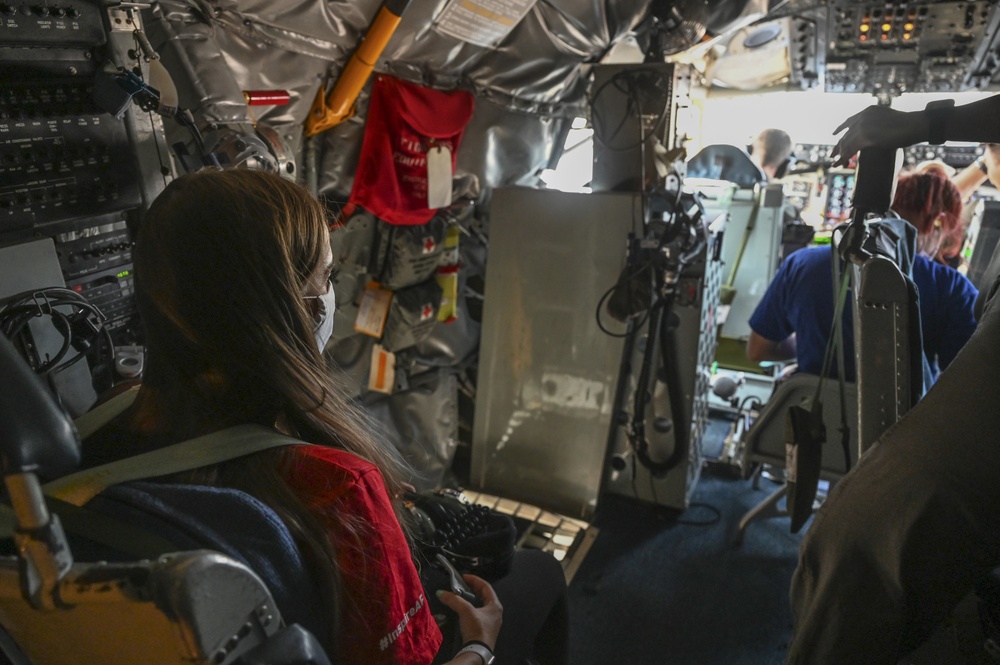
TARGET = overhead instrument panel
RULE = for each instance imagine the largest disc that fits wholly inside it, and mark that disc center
(888, 48)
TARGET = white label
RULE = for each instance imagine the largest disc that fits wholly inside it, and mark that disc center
(791, 462)
(439, 176)
(482, 22)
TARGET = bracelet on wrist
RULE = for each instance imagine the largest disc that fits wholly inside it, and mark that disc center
(981, 163)
(481, 649)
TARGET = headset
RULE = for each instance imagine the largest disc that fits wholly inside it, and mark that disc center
(82, 325)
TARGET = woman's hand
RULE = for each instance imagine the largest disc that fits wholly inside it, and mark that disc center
(882, 127)
(476, 623)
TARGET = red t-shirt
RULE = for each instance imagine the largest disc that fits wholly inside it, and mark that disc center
(385, 617)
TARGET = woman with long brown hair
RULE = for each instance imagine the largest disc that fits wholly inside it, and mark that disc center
(233, 272)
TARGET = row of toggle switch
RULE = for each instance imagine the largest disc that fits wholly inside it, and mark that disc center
(43, 11)
(54, 151)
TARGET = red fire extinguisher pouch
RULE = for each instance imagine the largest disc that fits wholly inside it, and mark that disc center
(408, 155)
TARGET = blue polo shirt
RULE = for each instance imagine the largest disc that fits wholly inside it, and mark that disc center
(800, 300)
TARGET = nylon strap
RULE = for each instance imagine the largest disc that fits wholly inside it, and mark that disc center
(230, 443)
(841, 282)
(836, 330)
(845, 435)
(101, 415)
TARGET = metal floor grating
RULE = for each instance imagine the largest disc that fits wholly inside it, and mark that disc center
(566, 538)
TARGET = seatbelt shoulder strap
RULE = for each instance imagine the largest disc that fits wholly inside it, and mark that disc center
(79, 488)
(104, 413)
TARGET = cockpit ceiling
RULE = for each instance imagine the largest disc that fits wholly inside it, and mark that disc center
(538, 66)
(888, 48)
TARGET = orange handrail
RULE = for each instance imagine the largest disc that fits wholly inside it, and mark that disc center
(328, 111)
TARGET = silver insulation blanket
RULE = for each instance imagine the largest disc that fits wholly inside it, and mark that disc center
(216, 49)
(528, 89)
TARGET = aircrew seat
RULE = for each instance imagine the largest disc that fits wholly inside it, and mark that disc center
(186, 606)
(766, 436)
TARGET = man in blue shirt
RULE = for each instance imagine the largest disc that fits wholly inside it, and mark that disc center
(794, 319)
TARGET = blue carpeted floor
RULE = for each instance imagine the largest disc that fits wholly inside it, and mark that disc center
(663, 588)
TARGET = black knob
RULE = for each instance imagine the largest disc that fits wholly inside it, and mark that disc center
(41, 10)
(59, 11)
(73, 12)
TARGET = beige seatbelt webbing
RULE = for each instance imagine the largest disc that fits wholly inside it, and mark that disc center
(104, 413)
(79, 488)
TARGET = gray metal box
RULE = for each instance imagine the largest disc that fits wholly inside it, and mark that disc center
(546, 372)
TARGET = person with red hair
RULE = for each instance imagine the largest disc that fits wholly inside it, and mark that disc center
(932, 203)
(794, 318)
(968, 180)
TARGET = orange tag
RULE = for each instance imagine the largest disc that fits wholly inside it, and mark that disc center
(382, 373)
(373, 310)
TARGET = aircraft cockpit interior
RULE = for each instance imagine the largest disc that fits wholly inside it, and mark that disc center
(528, 332)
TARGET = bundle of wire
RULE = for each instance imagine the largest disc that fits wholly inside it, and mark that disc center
(81, 324)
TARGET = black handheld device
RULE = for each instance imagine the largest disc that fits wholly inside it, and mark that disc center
(456, 584)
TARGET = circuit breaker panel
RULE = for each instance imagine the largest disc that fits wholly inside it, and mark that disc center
(73, 172)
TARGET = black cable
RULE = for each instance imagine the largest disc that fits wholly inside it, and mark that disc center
(711, 522)
(631, 92)
(675, 393)
(21, 310)
(745, 400)
(638, 439)
(607, 294)
(18, 323)
(668, 352)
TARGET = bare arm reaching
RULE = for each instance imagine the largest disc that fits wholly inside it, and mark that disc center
(884, 127)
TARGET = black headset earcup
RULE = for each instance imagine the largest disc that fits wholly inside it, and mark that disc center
(783, 168)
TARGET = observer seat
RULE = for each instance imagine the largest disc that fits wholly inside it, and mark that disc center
(766, 438)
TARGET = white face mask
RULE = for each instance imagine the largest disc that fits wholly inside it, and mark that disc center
(323, 320)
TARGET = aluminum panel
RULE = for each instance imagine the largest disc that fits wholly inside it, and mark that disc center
(760, 258)
(547, 373)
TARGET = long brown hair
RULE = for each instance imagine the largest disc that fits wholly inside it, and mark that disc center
(221, 260)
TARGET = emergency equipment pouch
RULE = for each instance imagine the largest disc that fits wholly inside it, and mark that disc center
(407, 123)
(412, 315)
(412, 253)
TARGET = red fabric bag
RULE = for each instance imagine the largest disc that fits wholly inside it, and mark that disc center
(404, 122)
